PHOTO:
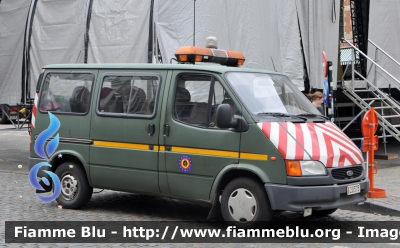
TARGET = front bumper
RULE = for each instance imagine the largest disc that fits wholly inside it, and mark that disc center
(297, 198)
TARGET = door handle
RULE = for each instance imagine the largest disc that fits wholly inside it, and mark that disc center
(152, 129)
(166, 130)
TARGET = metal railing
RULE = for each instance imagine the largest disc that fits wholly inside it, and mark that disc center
(377, 48)
(372, 61)
(371, 87)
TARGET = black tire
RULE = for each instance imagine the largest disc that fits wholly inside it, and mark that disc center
(3, 116)
(257, 204)
(324, 212)
(71, 173)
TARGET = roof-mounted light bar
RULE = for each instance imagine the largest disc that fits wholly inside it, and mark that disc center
(193, 54)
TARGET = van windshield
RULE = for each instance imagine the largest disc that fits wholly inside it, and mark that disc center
(270, 94)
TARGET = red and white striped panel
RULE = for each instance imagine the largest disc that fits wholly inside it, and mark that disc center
(34, 110)
(313, 141)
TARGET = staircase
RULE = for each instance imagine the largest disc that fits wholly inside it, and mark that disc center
(386, 107)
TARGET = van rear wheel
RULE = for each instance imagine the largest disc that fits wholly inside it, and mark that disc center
(75, 189)
(245, 203)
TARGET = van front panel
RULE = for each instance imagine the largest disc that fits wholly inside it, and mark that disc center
(195, 149)
(272, 168)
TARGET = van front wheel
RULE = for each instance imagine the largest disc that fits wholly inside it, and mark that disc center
(245, 202)
(75, 188)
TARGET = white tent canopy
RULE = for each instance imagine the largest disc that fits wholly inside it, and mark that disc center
(384, 31)
(13, 15)
(269, 33)
(119, 31)
(264, 31)
(57, 35)
(319, 25)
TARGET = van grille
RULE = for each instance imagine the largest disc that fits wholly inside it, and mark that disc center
(347, 173)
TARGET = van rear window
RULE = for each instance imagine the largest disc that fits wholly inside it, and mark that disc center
(66, 92)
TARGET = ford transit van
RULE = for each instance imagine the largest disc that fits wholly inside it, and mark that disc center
(246, 141)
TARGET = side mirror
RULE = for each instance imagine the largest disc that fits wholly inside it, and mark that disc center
(224, 119)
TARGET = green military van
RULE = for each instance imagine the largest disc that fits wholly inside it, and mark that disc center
(246, 141)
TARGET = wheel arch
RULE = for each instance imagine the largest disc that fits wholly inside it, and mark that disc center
(228, 174)
(69, 156)
(233, 171)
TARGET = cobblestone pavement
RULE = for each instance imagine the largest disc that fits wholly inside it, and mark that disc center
(14, 148)
(387, 178)
(18, 203)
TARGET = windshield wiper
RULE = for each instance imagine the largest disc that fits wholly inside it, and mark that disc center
(277, 114)
(313, 115)
(274, 114)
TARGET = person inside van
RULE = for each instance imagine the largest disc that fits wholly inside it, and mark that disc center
(317, 98)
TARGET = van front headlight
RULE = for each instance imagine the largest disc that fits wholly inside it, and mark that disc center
(305, 168)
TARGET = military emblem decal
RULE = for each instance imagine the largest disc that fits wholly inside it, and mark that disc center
(185, 163)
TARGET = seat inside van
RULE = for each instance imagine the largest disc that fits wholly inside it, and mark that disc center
(187, 111)
(80, 100)
(136, 100)
(106, 95)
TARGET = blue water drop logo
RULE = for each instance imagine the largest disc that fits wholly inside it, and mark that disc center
(45, 151)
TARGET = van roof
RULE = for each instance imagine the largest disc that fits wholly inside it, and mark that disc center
(197, 67)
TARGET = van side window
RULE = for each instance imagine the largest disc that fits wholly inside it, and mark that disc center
(66, 92)
(197, 98)
(128, 95)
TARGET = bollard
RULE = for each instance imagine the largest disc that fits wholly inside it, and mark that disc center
(370, 144)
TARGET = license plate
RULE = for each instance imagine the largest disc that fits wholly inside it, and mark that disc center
(353, 189)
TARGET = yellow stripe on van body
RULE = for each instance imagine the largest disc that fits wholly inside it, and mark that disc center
(253, 156)
(121, 145)
(176, 149)
(218, 153)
